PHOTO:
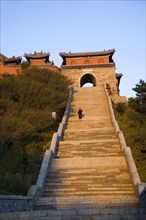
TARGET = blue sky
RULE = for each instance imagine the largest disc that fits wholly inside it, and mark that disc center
(79, 26)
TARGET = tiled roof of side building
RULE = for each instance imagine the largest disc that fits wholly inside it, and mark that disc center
(13, 59)
(37, 55)
(2, 57)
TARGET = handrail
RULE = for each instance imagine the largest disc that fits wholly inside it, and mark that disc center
(36, 190)
(125, 149)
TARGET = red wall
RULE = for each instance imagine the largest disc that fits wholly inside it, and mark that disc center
(9, 69)
(86, 60)
(17, 69)
(37, 62)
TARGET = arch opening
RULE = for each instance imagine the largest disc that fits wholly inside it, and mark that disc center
(87, 80)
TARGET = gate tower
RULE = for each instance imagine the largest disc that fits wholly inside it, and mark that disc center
(92, 67)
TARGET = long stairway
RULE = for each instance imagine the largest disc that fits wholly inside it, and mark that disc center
(90, 170)
(90, 167)
(89, 178)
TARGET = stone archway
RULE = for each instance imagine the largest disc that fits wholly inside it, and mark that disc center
(87, 78)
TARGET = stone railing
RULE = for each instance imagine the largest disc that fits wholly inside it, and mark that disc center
(36, 190)
(15, 203)
(26, 203)
(141, 187)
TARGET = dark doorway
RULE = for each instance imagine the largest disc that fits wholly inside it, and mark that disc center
(87, 80)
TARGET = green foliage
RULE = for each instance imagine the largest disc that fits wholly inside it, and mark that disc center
(120, 108)
(25, 64)
(133, 125)
(139, 103)
(26, 105)
(9, 88)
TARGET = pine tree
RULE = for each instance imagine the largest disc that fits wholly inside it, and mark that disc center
(139, 103)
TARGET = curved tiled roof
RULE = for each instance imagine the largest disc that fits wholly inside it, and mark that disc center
(2, 57)
(37, 55)
(100, 53)
(13, 60)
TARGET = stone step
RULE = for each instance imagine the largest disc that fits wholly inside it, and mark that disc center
(86, 120)
(117, 195)
(105, 143)
(96, 107)
(77, 185)
(85, 135)
(99, 129)
(90, 173)
(92, 143)
(96, 147)
(82, 154)
(90, 135)
(92, 131)
(79, 126)
(80, 213)
(95, 103)
(88, 189)
(90, 177)
(96, 116)
(86, 202)
(88, 150)
(79, 162)
(89, 116)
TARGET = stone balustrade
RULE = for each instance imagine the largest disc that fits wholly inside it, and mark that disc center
(141, 187)
(51, 153)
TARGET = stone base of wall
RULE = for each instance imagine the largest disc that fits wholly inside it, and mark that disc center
(14, 203)
(116, 99)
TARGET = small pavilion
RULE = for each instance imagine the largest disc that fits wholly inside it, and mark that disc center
(41, 59)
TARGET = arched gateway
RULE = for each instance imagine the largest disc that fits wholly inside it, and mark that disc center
(87, 78)
(93, 67)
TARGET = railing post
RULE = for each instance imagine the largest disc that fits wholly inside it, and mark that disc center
(54, 143)
(61, 131)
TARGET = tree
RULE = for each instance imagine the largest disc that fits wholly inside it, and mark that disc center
(27, 101)
(139, 103)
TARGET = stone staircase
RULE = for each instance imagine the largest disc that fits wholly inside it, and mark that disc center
(90, 170)
(89, 177)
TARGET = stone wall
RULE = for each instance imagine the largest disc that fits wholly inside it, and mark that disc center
(15, 203)
(117, 98)
(143, 195)
(11, 69)
(102, 74)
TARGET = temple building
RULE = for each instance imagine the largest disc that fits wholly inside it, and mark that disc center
(13, 65)
(38, 58)
(10, 65)
(41, 59)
